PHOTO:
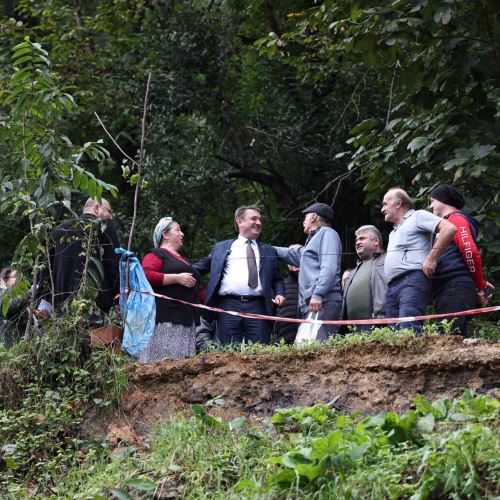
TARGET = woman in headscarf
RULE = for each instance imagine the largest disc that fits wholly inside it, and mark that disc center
(172, 275)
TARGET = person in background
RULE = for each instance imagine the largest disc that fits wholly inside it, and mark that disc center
(319, 263)
(16, 318)
(244, 277)
(343, 329)
(283, 330)
(206, 334)
(171, 274)
(72, 241)
(365, 289)
(411, 256)
(458, 284)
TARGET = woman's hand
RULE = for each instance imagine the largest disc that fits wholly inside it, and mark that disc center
(186, 279)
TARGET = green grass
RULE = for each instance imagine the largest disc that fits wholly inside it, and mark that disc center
(486, 330)
(447, 449)
(384, 335)
(478, 329)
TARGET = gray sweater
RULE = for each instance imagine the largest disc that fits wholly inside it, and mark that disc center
(319, 263)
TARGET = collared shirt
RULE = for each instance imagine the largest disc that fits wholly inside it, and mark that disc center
(235, 278)
(410, 242)
(311, 234)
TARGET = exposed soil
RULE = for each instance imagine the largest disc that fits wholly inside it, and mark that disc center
(369, 378)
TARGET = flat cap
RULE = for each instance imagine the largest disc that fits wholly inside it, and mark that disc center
(322, 209)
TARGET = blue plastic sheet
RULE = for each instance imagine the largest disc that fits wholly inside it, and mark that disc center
(139, 310)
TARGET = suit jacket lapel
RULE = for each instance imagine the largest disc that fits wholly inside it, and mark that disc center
(226, 250)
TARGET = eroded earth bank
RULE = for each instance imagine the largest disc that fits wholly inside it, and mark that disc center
(369, 378)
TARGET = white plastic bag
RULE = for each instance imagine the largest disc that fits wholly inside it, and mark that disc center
(308, 332)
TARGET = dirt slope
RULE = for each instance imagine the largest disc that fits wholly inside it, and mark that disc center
(370, 378)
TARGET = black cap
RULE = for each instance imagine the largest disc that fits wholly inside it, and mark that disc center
(448, 195)
(322, 209)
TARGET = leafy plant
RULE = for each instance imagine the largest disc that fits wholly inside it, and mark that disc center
(439, 458)
(310, 453)
(436, 86)
(52, 388)
(40, 165)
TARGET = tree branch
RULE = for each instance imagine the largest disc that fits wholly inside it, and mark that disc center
(391, 94)
(114, 142)
(140, 164)
(275, 182)
(275, 26)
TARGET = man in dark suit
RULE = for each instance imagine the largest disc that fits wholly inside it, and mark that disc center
(244, 277)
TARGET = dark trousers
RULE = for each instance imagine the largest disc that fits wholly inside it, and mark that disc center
(455, 296)
(330, 311)
(408, 295)
(236, 329)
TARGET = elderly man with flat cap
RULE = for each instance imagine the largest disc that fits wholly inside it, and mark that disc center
(458, 283)
(319, 262)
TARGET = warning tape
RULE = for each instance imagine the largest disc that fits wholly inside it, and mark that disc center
(372, 321)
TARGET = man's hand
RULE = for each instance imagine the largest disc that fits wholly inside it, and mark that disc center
(446, 231)
(42, 313)
(429, 266)
(186, 279)
(315, 305)
(280, 300)
(483, 297)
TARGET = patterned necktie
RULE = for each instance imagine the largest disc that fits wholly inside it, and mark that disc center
(253, 277)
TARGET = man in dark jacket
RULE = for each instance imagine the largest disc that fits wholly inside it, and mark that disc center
(458, 284)
(244, 277)
(365, 288)
(86, 245)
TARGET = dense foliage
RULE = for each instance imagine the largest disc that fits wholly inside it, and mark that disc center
(47, 386)
(446, 449)
(40, 164)
(54, 393)
(435, 62)
(237, 116)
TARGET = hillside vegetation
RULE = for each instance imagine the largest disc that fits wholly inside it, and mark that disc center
(227, 425)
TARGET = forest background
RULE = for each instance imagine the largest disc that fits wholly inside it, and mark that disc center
(277, 103)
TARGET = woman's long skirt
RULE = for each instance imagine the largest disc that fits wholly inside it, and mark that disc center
(169, 341)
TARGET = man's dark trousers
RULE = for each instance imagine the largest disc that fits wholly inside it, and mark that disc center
(455, 296)
(408, 295)
(236, 329)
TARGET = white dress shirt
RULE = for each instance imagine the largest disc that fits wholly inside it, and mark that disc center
(235, 278)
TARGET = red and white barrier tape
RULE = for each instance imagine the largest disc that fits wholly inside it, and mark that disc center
(373, 321)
